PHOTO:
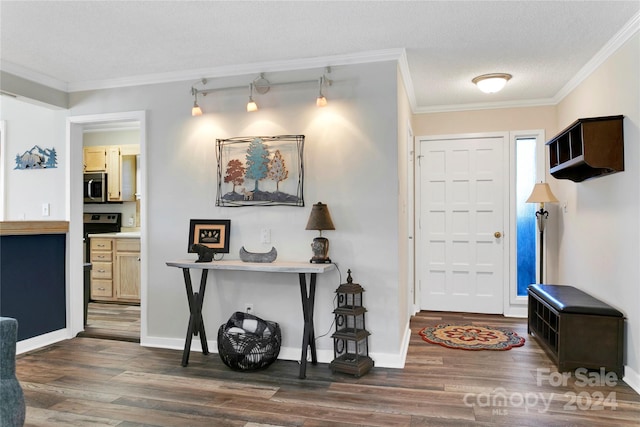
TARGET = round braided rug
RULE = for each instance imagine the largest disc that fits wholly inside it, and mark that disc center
(471, 337)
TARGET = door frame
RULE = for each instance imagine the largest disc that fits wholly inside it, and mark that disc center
(75, 271)
(412, 300)
(507, 180)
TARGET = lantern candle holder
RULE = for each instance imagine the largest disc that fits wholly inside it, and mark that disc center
(351, 338)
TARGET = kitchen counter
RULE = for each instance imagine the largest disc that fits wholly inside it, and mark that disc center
(119, 235)
(17, 228)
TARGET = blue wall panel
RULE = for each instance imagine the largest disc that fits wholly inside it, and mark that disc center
(32, 282)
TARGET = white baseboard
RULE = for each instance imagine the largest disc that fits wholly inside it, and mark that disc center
(517, 311)
(381, 360)
(632, 378)
(44, 340)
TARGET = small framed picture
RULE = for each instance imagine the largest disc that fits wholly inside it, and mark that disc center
(212, 233)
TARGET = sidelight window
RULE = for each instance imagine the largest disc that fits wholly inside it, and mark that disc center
(525, 214)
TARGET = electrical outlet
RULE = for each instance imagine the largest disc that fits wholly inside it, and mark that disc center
(265, 235)
(248, 308)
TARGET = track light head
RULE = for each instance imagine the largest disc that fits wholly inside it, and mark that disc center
(251, 105)
(321, 100)
(196, 110)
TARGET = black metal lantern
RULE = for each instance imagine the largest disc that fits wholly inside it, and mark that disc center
(351, 338)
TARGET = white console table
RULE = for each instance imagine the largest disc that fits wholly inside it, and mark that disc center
(195, 299)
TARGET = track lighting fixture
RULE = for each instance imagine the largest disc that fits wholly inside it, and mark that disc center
(251, 105)
(321, 101)
(261, 86)
(195, 110)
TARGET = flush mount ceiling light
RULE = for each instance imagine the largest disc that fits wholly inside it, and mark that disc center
(491, 83)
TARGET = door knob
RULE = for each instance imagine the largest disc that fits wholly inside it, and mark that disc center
(497, 234)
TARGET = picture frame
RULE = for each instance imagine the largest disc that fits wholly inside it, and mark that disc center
(260, 171)
(212, 233)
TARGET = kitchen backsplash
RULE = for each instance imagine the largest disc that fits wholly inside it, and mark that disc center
(129, 211)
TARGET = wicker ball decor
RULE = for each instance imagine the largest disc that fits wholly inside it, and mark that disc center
(247, 342)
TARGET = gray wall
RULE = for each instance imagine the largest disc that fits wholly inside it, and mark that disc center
(351, 164)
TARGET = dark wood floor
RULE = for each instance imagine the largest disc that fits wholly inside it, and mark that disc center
(88, 381)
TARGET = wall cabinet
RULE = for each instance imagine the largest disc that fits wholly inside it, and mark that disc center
(95, 159)
(115, 275)
(119, 162)
(114, 182)
(588, 148)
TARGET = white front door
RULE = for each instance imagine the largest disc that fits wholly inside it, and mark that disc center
(461, 223)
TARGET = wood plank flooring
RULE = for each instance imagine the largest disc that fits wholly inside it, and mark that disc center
(96, 382)
(112, 321)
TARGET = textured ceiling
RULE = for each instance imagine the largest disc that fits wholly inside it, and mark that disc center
(544, 44)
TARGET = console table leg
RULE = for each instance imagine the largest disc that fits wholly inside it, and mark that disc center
(196, 323)
(312, 329)
(200, 321)
(308, 335)
(191, 301)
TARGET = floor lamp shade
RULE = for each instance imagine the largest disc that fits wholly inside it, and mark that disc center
(542, 194)
(320, 219)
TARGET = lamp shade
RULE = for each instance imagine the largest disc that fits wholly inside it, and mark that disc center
(542, 194)
(320, 218)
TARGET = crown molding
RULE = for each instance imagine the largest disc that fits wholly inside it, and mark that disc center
(486, 106)
(620, 38)
(34, 76)
(239, 70)
(403, 65)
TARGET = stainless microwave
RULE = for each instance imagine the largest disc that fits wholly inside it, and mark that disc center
(95, 187)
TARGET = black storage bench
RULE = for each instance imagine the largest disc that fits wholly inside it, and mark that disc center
(576, 329)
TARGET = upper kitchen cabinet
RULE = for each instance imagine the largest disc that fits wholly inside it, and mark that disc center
(95, 159)
(119, 163)
(121, 173)
(588, 148)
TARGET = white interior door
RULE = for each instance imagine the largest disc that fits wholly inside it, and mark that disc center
(461, 225)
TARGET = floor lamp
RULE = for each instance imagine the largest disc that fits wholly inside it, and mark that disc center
(541, 194)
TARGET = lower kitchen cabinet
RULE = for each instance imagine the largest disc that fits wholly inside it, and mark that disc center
(127, 277)
(102, 269)
(115, 275)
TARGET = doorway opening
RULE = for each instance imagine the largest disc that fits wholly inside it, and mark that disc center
(113, 304)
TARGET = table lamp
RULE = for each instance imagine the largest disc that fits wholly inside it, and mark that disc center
(320, 219)
(542, 194)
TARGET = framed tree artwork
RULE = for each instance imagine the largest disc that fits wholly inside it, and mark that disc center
(260, 171)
